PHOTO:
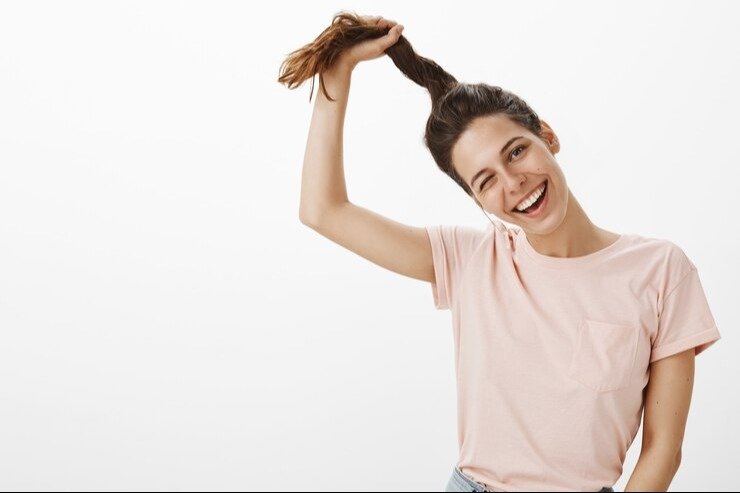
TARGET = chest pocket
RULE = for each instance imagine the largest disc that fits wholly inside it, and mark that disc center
(603, 357)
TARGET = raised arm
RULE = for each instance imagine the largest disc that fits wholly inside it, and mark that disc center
(322, 182)
(325, 206)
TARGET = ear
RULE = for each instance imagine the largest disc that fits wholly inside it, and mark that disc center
(548, 135)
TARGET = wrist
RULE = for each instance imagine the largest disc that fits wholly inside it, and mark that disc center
(342, 65)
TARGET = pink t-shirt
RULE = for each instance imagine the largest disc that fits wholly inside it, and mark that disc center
(552, 354)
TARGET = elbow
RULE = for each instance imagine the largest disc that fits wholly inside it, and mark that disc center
(314, 216)
(307, 218)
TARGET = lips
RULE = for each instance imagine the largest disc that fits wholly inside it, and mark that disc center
(527, 195)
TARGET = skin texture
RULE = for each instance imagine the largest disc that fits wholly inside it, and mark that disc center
(565, 230)
(667, 401)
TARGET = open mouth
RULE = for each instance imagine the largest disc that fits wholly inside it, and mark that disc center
(536, 204)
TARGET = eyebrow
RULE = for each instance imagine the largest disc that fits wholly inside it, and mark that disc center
(503, 149)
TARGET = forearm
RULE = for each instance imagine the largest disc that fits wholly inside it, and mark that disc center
(322, 182)
(654, 470)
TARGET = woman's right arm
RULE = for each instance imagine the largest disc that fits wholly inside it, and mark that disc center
(322, 182)
(325, 206)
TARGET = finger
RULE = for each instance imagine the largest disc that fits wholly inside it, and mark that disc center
(382, 22)
(387, 23)
(369, 19)
(392, 36)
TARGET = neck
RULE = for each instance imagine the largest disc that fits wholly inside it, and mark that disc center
(575, 236)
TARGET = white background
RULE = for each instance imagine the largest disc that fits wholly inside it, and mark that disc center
(166, 321)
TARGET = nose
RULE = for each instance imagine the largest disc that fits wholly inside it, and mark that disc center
(514, 182)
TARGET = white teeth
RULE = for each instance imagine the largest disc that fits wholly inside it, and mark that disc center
(531, 199)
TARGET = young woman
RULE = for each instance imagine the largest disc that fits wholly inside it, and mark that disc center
(565, 333)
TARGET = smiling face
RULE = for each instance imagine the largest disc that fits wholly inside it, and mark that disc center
(503, 163)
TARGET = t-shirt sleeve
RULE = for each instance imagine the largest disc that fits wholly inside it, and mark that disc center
(684, 319)
(452, 247)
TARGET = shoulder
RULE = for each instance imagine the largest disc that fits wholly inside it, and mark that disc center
(661, 250)
(461, 236)
(662, 261)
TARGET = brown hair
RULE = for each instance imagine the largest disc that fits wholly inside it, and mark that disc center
(454, 104)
